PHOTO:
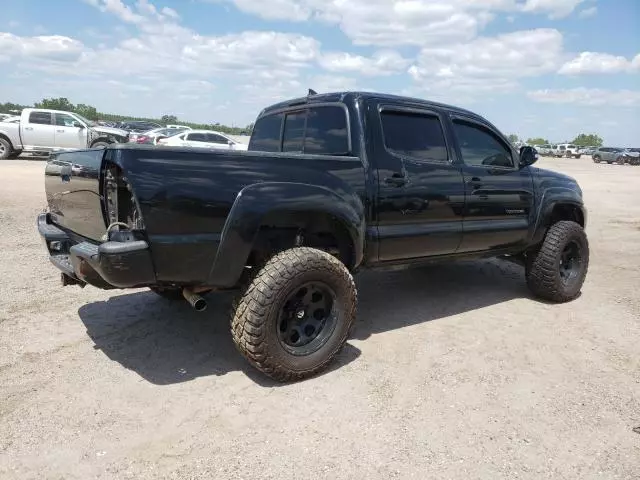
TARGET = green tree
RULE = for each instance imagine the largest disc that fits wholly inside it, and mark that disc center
(168, 119)
(588, 140)
(87, 111)
(538, 141)
(513, 138)
(56, 104)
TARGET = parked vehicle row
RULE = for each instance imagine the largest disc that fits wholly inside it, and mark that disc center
(43, 131)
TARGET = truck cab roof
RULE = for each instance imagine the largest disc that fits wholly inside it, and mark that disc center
(354, 96)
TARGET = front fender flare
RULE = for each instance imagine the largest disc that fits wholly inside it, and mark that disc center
(550, 198)
(256, 201)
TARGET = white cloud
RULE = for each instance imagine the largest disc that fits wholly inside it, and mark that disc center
(588, 12)
(593, 62)
(554, 8)
(588, 97)
(402, 22)
(490, 63)
(384, 62)
(52, 47)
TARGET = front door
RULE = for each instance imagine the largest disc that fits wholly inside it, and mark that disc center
(67, 134)
(499, 198)
(421, 193)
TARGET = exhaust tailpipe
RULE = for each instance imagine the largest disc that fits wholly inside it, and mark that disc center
(196, 301)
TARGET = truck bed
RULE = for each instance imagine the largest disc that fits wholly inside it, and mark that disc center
(184, 196)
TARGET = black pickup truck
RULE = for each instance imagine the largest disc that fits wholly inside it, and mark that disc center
(332, 183)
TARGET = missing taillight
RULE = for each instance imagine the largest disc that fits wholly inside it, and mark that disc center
(120, 203)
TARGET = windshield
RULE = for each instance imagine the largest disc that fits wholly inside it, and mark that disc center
(87, 121)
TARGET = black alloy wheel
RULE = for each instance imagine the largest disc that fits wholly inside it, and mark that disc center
(307, 318)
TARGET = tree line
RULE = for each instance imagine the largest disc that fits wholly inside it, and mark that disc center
(91, 113)
(581, 140)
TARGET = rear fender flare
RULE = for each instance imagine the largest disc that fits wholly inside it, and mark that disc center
(255, 202)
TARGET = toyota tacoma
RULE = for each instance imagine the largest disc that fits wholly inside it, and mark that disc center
(331, 184)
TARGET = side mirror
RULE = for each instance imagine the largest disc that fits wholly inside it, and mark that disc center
(528, 156)
(78, 124)
(230, 143)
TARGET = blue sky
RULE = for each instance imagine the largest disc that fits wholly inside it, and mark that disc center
(551, 68)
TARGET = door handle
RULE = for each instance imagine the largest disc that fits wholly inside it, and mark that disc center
(28, 128)
(60, 131)
(397, 180)
(474, 182)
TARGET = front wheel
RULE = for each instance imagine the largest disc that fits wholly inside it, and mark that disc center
(295, 314)
(596, 159)
(100, 145)
(557, 271)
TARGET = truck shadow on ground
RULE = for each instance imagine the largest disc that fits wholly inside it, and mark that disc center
(167, 342)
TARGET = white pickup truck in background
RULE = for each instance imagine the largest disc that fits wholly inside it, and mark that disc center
(43, 131)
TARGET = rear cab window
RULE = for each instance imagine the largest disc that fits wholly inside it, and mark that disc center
(316, 129)
(41, 118)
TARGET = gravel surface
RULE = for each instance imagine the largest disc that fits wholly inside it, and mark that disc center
(452, 372)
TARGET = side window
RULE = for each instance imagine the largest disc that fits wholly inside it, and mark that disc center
(64, 120)
(293, 132)
(414, 134)
(326, 132)
(480, 147)
(213, 138)
(42, 118)
(266, 134)
(196, 137)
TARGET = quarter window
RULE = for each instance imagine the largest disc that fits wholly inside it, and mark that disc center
(41, 118)
(415, 135)
(480, 147)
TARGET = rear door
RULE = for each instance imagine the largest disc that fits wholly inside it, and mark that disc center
(66, 134)
(499, 196)
(39, 131)
(420, 188)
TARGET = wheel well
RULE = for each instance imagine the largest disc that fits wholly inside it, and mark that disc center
(101, 139)
(4, 137)
(282, 230)
(567, 212)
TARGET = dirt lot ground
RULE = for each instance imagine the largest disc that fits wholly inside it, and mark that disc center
(452, 372)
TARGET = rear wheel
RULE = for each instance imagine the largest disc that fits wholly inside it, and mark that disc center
(620, 160)
(557, 271)
(295, 314)
(5, 149)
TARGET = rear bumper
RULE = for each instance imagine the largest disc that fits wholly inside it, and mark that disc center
(107, 265)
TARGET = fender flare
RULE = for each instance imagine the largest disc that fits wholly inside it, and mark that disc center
(254, 202)
(550, 199)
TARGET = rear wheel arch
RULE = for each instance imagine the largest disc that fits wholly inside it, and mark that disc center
(269, 217)
(311, 228)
